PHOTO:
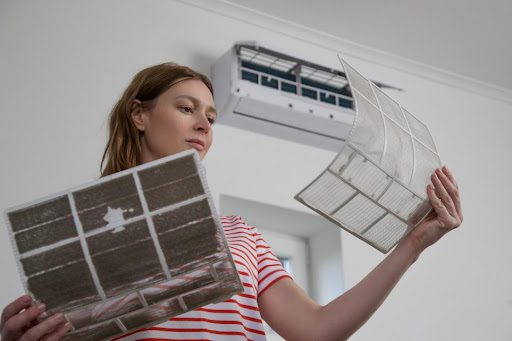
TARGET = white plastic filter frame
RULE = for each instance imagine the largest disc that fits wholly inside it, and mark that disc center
(375, 187)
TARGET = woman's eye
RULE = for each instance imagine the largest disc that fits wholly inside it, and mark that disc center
(186, 109)
(211, 120)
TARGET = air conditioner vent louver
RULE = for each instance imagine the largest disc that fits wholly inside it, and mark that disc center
(291, 76)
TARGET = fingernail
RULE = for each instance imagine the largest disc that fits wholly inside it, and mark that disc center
(58, 317)
(26, 299)
(445, 168)
(68, 325)
(41, 307)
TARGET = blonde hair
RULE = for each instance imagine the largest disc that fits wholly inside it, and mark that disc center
(123, 148)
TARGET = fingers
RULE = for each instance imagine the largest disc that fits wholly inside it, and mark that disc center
(453, 189)
(442, 192)
(14, 325)
(15, 307)
(438, 205)
(58, 333)
(450, 176)
(444, 197)
(446, 177)
(50, 325)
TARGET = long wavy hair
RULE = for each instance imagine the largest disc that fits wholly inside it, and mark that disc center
(123, 148)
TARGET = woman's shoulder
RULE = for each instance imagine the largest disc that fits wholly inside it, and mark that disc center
(235, 221)
(232, 219)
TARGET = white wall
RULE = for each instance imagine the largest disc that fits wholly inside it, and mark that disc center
(326, 263)
(63, 64)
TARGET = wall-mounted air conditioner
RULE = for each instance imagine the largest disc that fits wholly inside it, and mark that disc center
(272, 93)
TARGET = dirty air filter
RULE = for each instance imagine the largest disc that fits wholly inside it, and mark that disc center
(375, 186)
(127, 250)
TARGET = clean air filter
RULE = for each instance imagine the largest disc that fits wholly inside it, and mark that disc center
(127, 250)
(375, 187)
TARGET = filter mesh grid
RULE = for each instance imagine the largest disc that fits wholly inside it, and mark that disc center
(127, 250)
(375, 186)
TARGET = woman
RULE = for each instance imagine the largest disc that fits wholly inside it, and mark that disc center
(169, 108)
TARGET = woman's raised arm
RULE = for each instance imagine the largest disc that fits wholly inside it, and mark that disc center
(291, 313)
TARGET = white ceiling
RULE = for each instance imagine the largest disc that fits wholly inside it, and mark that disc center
(469, 37)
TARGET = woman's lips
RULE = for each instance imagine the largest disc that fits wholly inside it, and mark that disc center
(196, 145)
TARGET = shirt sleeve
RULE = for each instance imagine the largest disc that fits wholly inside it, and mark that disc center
(270, 269)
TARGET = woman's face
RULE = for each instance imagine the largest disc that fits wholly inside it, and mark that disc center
(180, 119)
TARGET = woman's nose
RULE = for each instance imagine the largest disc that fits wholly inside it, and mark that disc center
(203, 123)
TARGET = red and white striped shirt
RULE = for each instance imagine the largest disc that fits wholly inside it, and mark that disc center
(238, 317)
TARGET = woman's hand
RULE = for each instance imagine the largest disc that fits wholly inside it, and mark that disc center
(446, 214)
(19, 322)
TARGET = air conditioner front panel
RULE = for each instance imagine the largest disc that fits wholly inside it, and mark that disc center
(259, 125)
(268, 119)
(284, 116)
